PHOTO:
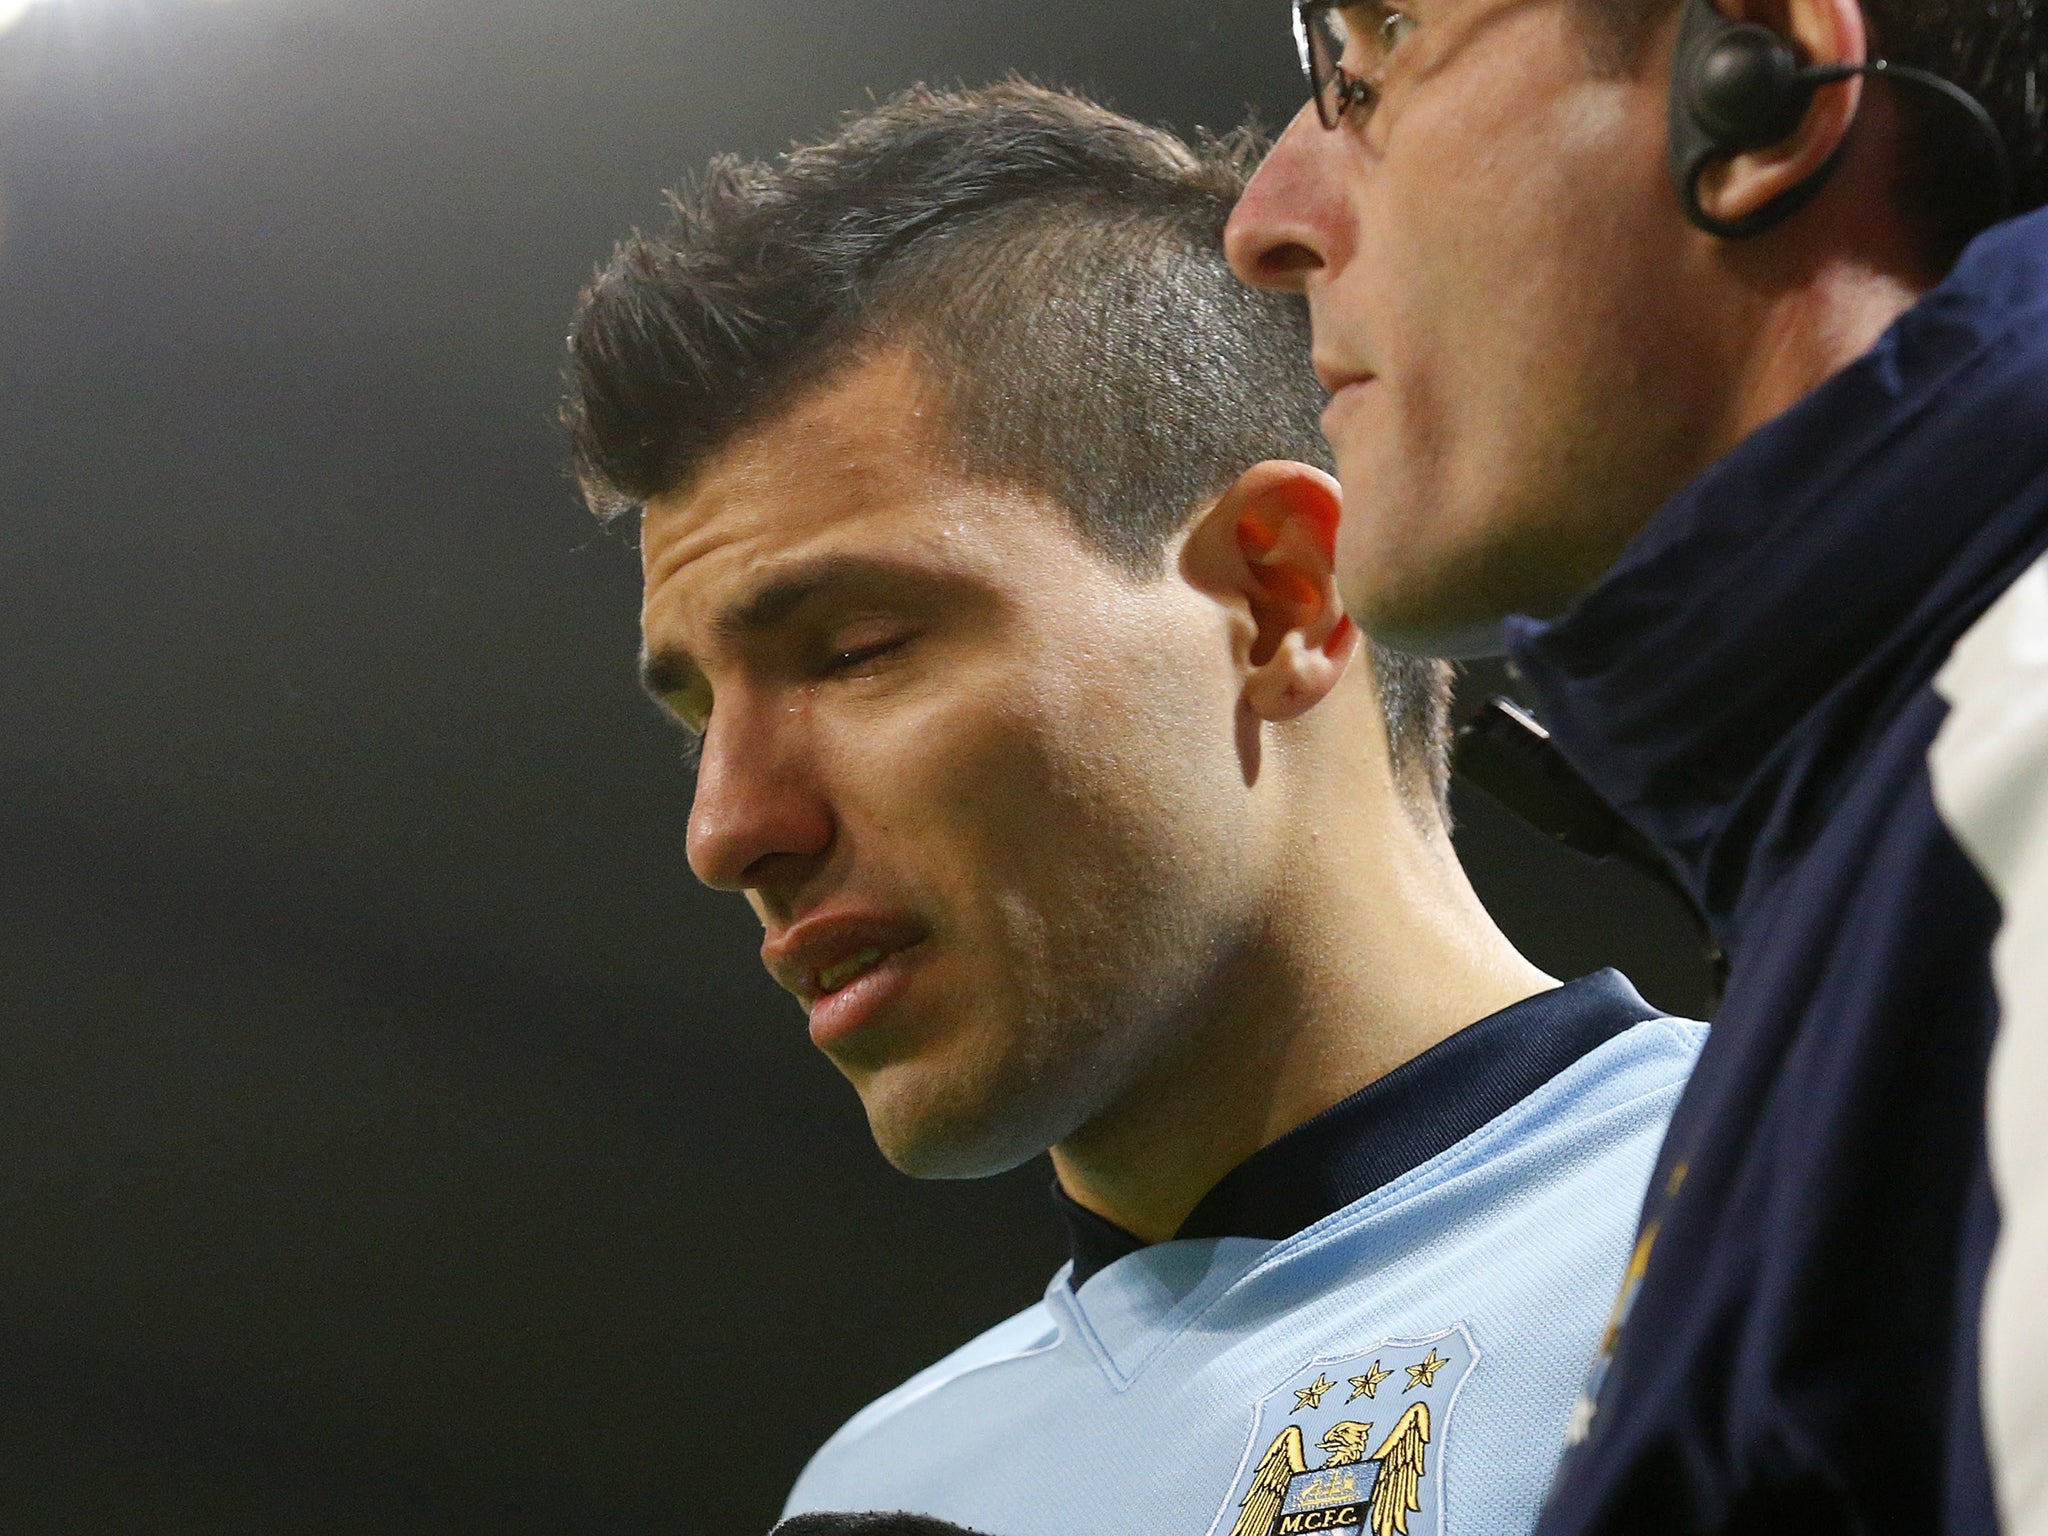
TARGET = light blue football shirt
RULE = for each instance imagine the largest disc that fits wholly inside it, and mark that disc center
(1403, 1366)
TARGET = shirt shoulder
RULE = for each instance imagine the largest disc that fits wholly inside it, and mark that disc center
(1132, 1403)
(1028, 1333)
(1548, 1186)
(1658, 1047)
(1638, 1072)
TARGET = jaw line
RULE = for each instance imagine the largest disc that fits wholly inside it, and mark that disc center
(1470, 642)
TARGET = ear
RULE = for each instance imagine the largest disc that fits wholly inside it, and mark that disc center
(1268, 549)
(1822, 32)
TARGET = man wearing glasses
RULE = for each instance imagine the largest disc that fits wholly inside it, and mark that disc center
(1079, 820)
(1714, 343)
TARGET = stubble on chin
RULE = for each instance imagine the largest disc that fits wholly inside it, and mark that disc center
(1432, 568)
(1058, 1042)
(1000, 1081)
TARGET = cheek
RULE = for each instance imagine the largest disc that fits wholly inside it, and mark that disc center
(1499, 323)
(1504, 232)
(953, 800)
(1497, 198)
(1025, 810)
(1058, 796)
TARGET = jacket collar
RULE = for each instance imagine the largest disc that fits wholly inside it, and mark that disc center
(1781, 608)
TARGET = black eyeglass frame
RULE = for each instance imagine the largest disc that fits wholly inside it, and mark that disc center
(1334, 89)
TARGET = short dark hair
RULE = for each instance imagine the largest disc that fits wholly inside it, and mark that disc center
(1056, 267)
(1997, 50)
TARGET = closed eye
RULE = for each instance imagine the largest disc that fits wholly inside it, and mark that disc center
(689, 708)
(692, 730)
(850, 659)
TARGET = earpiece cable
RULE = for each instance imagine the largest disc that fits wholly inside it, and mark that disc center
(1816, 75)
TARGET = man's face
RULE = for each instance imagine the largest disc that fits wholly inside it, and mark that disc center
(980, 787)
(1497, 276)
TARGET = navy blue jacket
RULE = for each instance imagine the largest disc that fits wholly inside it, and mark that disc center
(1751, 688)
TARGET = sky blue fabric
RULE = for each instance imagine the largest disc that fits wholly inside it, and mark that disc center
(1397, 1122)
(1476, 1284)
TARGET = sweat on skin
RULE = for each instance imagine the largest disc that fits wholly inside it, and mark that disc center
(1143, 887)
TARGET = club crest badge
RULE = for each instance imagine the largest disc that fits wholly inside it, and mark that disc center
(1353, 1444)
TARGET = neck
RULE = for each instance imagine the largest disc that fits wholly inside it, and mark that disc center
(1806, 336)
(1808, 299)
(1375, 949)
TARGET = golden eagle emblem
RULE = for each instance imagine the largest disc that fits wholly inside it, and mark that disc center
(1353, 1444)
(1288, 1499)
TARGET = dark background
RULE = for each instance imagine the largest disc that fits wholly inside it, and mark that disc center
(391, 1137)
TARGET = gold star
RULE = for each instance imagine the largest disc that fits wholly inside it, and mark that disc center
(1311, 1396)
(1367, 1385)
(1424, 1374)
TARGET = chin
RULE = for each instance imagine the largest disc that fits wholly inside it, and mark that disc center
(953, 1140)
(1441, 597)
(926, 1156)
(1404, 619)
(1450, 642)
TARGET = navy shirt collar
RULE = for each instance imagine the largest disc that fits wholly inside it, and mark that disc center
(1780, 608)
(1423, 1107)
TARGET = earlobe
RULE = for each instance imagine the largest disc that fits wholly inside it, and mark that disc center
(1267, 548)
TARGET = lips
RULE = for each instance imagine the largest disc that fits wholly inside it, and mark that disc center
(1351, 386)
(1335, 376)
(1349, 393)
(829, 951)
(833, 977)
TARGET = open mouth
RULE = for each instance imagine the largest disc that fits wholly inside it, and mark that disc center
(835, 952)
(841, 998)
(831, 978)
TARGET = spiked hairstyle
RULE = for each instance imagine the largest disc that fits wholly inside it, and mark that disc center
(1058, 271)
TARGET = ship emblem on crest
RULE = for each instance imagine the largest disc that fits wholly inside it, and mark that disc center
(1379, 1420)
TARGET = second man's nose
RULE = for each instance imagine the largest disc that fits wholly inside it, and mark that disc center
(1292, 217)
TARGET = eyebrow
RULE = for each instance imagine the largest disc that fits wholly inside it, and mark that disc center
(776, 601)
(664, 672)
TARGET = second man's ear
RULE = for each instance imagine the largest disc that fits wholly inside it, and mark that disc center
(1821, 32)
(1268, 549)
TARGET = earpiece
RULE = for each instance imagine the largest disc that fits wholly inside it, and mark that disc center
(1739, 86)
(1745, 88)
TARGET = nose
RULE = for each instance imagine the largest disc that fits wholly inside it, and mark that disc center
(760, 820)
(1293, 218)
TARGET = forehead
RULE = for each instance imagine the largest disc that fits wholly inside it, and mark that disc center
(859, 466)
(858, 443)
